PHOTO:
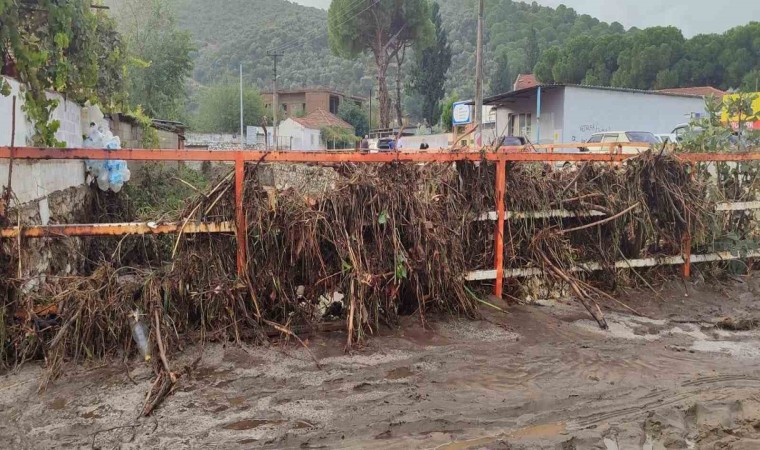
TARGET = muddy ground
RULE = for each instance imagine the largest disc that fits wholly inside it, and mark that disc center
(540, 376)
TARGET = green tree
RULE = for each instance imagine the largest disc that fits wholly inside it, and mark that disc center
(219, 109)
(384, 28)
(63, 47)
(532, 51)
(447, 113)
(356, 116)
(503, 79)
(544, 69)
(160, 55)
(431, 65)
(646, 55)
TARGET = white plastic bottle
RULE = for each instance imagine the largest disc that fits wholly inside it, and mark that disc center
(140, 335)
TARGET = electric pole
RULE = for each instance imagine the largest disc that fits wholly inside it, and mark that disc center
(479, 73)
(275, 99)
(241, 106)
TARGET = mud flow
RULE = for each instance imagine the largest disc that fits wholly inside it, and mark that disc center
(683, 375)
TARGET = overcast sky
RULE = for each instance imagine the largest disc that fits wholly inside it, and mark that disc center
(691, 16)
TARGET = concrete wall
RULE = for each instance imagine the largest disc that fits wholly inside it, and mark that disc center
(435, 141)
(302, 138)
(552, 116)
(34, 180)
(589, 111)
(205, 139)
(573, 114)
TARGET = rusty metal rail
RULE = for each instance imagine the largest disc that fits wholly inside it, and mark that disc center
(542, 153)
(116, 229)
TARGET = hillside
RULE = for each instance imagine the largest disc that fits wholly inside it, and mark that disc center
(235, 30)
(232, 31)
(243, 30)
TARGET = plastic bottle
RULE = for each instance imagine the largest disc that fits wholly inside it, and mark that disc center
(140, 335)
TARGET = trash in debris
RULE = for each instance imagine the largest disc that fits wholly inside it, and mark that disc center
(109, 174)
(140, 335)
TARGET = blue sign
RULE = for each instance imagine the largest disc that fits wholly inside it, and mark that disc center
(461, 113)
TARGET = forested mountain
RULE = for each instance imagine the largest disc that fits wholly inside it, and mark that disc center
(228, 32)
(567, 46)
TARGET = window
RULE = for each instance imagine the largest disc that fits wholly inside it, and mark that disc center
(610, 137)
(521, 124)
(640, 136)
(285, 107)
(595, 139)
(334, 104)
(303, 107)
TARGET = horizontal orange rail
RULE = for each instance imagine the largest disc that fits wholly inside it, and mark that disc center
(116, 229)
(539, 153)
(467, 154)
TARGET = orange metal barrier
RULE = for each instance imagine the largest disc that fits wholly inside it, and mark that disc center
(240, 157)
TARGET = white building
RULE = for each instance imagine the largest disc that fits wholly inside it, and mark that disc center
(552, 114)
(305, 133)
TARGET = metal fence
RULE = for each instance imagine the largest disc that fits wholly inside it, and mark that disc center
(542, 153)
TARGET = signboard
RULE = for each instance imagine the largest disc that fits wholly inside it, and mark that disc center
(751, 122)
(461, 114)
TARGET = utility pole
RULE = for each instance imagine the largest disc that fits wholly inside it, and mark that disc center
(241, 106)
(275, 99)
(479, 73)
(369, 128)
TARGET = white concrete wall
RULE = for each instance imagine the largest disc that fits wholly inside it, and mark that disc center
(303, 138)
(34, 180)
(552, 115)
(435, 141)
(588, 111)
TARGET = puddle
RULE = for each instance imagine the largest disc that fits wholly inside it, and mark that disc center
(91, 415)
(58, 404)
(399, 373)
(540, 431)
(249, 424)
(547, 430)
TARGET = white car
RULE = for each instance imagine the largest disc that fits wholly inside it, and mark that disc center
(600, 142)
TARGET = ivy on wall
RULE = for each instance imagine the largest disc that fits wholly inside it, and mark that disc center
(65, 47)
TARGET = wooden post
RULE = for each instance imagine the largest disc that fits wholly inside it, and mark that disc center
(240, 225)
(501, 185)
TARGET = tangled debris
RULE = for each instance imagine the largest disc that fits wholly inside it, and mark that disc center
(385, 241)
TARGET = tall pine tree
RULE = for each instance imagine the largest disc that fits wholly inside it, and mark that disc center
(429, 72)
(532, 51)
(502, 79)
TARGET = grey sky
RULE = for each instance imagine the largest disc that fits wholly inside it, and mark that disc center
(691, 16)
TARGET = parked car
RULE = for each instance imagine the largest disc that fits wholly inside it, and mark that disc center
(599, 142)
(513, 141)
(386, 143)
(664, 138)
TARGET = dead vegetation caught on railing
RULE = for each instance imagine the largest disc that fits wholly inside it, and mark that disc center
(385, 240)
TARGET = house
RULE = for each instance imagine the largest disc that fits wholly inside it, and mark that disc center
(305, 133)
(309, 100)
(524, 81)
(563, 113)
(703, 91)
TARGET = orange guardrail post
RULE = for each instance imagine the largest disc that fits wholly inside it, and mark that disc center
(501, 186)
(241, 229)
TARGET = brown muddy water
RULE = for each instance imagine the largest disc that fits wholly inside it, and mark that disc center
(538, 377)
